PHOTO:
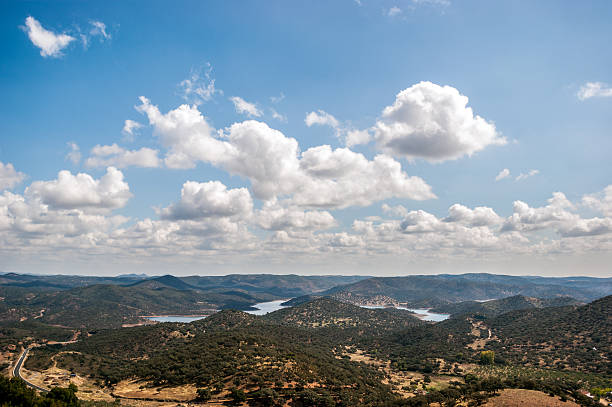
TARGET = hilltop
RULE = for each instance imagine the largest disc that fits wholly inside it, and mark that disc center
(501, 306)
(329, 313)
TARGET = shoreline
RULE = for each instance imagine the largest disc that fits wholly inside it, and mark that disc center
(176, 315)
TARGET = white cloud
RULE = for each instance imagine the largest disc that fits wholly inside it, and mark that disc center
(321, 118)
(276, 217)
(505, 173)
(200, 86)
(29, 219)
(479, 216)
(130, 129)
(433, 122)
(559, 215)
(394, 11)
(343, 239)
(82, 191)
(320, 177)
(350, 137)
(594, 90)
(356, 137)
(187, 135)
(341, 178)
(526, 218)
(244, 107)
(115, 156)
(523, 176)
(278, 116)
(74, 155)
(399, 210)
(209, 200)
(586, 227)
(9, 177)
(601, 201)
(50, 43)
(99, 29)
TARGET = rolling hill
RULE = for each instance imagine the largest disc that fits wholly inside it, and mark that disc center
(501, 306)
(437, 290)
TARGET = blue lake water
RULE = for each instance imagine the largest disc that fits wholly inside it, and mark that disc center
(422, 313)
(264, 308)
(175, 318)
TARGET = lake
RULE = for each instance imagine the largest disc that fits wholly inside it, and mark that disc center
(175, 318)
(264, 308)
(422, 313)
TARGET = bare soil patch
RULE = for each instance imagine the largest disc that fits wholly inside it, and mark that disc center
(526, 398)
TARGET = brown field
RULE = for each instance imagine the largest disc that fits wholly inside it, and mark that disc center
(525, 398)
(139, 390)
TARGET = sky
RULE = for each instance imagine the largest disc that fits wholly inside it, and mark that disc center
(347, 137)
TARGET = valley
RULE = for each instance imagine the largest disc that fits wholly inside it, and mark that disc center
(316, 348)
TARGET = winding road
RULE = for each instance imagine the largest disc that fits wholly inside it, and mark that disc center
(17, 371)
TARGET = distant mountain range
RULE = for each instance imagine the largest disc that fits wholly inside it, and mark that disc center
(101, 302)
(434, 291)
(501, 306)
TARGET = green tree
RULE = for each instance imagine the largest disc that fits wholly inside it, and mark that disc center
(203, 394)
(237, 396)
(487, 357)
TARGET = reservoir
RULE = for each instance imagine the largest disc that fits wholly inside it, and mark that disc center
(175, 318)
(422, 313)
(264, 308)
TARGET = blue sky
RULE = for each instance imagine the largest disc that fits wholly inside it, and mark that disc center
(536, 75)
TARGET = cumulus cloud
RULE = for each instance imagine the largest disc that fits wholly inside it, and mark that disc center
(399, 210)
(319, 177)
(356, 137)
(82, 191)
(200, 86)
(274, 216)
(505, 173)
(526, 218)
(586, 227)
(434, 123)
(9, 177)
(29, 219)
(50, 43)
(321, 118)
(560, 216)
(523, 176)
(207, 200)
(479, 216)
(115, 156)
(186, 133)
(601, 201)
(244, 107)
(340, 178)
(594, 90)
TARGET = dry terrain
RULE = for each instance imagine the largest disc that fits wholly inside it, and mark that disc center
(525, 398)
